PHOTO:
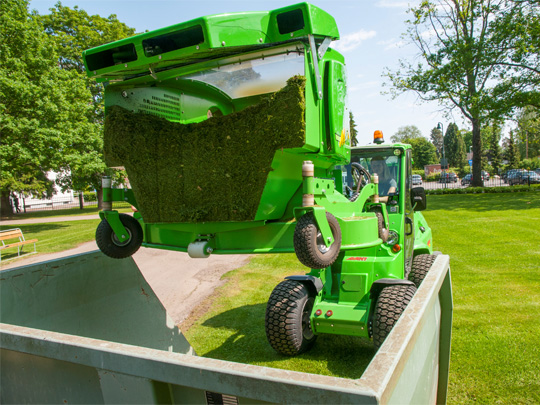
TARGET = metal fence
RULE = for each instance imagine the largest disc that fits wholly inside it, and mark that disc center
(464, 182)
(23, 205)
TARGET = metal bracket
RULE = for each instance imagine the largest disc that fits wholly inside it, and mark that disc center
(324, 47)
(113, 218)
(315, 65)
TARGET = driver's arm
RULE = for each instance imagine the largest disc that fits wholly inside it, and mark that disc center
(391, 191)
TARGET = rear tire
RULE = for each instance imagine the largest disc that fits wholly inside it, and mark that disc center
(309, 245)
(287, 322)
(390, 304)
(420, 267)
(109, 243)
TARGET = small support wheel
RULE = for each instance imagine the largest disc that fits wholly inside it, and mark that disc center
(109, 243)
(420, 267)
(309, 245)
(287, 321)
(390, 304)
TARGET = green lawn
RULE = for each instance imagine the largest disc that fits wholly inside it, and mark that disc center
(493, 243)
(53, 236)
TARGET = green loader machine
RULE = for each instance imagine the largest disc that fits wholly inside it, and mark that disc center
(234, 132)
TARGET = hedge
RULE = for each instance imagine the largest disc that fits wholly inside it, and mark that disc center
(481, 190)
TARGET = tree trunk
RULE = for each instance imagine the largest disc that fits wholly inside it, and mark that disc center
(477, 154)
(6, 210)
(99, 193)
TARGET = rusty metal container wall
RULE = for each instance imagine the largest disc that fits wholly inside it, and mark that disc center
(134, 354)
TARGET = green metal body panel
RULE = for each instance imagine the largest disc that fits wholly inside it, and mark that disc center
(89, 329)
(206, 37)
(175, 84)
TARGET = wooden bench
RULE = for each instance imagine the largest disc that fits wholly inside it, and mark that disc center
(9, 236)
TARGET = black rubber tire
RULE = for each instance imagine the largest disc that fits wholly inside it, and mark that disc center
(309, 246)
(109, 244)
(390, 304)
(287, 321)
(383, 232)
(420, 267)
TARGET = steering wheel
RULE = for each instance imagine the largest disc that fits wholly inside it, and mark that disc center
(360, 177)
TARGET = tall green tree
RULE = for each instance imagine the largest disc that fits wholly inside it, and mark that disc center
(528, 132)
(495, 153)
(42, 107)
(437, 139)
(512, 152)
(454, 147)
(73, 31)
(477, 56)
(354, 131)
(423, 152)
(406, 132)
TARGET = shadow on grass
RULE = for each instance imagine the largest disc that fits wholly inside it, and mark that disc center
(484, 202)
(340, 356)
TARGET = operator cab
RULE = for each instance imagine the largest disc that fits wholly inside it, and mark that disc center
(385, 162)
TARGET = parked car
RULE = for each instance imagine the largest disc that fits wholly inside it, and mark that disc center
(467, 180)
(485, 175)
(416, 179)
(511, 173)
(448, 178)
(537, 170)
(524, 178)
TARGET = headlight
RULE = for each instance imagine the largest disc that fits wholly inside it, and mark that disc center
(393, 238)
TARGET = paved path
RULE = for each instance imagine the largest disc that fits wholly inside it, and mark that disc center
(21, 220)
(180, 282)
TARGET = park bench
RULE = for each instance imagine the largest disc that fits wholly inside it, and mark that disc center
(8, 238)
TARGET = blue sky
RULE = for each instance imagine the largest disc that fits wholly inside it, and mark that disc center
(370, 41)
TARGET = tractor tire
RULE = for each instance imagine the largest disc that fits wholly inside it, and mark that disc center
(287, 321)
(390, 304)
(109, 244)
(383, 232)
(309, 245)
(420, 267)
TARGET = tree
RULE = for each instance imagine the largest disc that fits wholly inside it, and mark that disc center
(354, 132)
(454, 147)
(477, 56)
(512, 152)
(406, 132)
(437, 140)
(42, 106)
(495, 152)
(528, 131)
(73, 31)
(423, 152)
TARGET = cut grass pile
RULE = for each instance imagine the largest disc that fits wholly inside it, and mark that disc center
(493, 243)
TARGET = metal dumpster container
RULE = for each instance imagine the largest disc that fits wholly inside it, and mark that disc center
(89, 329)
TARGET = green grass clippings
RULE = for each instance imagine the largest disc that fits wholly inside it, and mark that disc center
(215, 170)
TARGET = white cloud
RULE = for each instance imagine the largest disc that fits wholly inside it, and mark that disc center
(352, 41)
(365, 85)
(392, 4)
(392, 44)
